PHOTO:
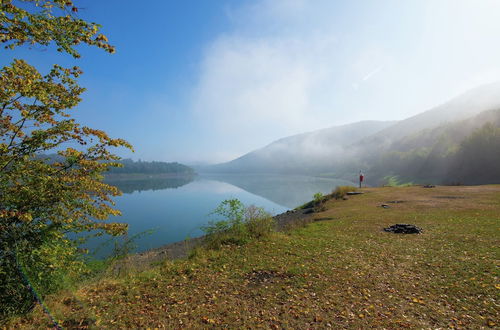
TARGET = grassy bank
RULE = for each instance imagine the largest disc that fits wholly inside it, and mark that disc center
(341, 270)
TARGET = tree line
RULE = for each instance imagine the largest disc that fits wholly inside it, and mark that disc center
(129, 166)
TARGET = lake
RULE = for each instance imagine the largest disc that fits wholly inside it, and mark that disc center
(173, 209)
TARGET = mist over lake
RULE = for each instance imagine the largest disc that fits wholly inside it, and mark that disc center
(176, 208)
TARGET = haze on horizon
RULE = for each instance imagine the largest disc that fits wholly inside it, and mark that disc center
(207, 83)
(293, 66)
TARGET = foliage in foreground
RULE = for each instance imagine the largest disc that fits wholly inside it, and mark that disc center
(40, 201)
(239, 225)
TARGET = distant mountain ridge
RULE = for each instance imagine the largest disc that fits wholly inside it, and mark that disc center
(463, 106)
(303, 153)
(343, 150)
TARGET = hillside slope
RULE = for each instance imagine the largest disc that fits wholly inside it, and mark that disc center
(371, 146)
(465, 151)
(466, 105)
(303, 153)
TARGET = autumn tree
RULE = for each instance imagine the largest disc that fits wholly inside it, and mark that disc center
(43, 200)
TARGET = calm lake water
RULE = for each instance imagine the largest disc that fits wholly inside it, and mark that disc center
(174, 209)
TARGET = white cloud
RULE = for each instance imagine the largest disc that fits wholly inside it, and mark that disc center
(255, 87)
(289, 66)
(260, 81)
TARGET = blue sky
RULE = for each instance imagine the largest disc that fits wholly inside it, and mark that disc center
(207, 81)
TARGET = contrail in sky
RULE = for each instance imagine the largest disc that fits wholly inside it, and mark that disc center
(374, 72)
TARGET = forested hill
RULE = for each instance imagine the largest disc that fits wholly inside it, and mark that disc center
(465, 152)
(137, 167)
(133, 167)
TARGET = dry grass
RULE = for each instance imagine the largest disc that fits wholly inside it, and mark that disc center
(343, 272)
(341, 191)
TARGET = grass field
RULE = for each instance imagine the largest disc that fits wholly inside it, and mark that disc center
(340, 271)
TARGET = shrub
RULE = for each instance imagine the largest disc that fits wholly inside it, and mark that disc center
(240, 224)
(258, 222)
(23, 273)
(319, 202)
(341, 191)
(318, 197)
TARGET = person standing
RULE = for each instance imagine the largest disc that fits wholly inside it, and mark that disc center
(361, 178)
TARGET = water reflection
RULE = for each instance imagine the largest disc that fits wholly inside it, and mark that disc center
(287, 190)
(173, 212)
(176, 207)
(130, 184)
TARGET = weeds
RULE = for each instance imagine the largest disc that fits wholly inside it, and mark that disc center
(318, 197)
(240, 224)
(341, 191)
(319, 202)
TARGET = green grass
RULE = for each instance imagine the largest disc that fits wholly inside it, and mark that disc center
(342, 272)
(394, 181)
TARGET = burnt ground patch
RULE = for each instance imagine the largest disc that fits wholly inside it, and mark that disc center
(259, 277)
(403, 228)
(449, 197)
(324, 219)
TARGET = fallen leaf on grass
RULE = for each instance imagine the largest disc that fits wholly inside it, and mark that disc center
(418, 301)
(207, 320)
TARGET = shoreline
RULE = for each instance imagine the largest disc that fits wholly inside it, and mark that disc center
(181, 249)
